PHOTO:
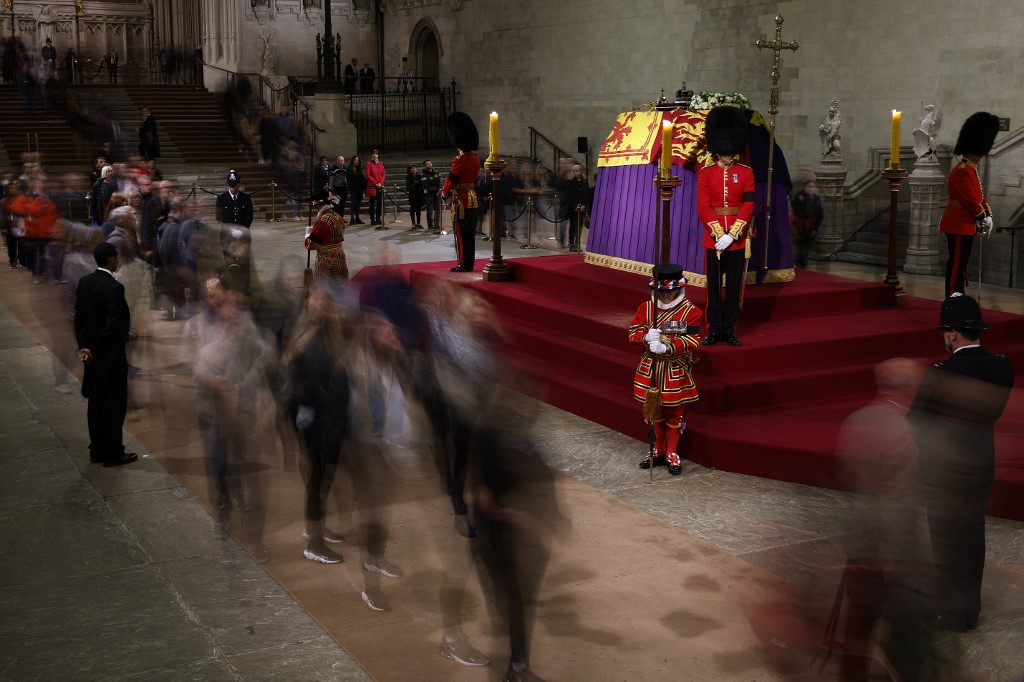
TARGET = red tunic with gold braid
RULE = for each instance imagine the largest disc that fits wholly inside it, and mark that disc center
(725, 203)
(677, 386)
(326, 238)
(967, 203)
(462, 180)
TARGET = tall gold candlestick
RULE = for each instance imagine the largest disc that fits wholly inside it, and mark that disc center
(894, 147)
(666, 148)
(493, 137)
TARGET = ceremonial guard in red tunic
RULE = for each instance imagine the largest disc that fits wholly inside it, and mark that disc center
(967, 213)
(668, 327)
(725, 206)
(460, 185)
(327, 238)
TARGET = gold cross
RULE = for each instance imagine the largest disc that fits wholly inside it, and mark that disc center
(777, 46)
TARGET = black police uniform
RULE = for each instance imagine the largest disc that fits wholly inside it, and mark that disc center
(237, 209)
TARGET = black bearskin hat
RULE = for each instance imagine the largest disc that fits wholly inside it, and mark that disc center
(726, 131)
(462, 132)
(977, 134)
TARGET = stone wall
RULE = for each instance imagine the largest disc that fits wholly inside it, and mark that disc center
(567, 68)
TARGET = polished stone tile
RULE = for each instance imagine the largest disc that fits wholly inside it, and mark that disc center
(240, 608)
(77, 536)
(1004, 541)
(98, 625)
(314, 659)
(40, 477)
(170, 524)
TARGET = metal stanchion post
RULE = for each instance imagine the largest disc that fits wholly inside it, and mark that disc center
(273, 201)
(580, 208)
(529, 224)
(195, 196)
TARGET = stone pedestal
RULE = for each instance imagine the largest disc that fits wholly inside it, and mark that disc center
(331, 114)
(831, 179)
(927, 201)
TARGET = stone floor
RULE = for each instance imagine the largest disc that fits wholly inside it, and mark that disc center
(122, 574)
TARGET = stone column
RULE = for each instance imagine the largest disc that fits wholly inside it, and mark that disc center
(927, 201)
(831, 179)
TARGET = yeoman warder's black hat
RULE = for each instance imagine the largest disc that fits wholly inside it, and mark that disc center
(462, 132)
(726, 131)
(977, 134)
(669, 277)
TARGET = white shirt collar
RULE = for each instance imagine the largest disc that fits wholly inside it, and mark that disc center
(973, 345)
(106, 271)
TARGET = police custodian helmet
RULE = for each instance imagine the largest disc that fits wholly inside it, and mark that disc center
(961, 312)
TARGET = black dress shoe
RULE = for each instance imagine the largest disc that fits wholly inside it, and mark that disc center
(123, 458)
(659, 461)
(459, 268)
(732, 340)
(711, 339)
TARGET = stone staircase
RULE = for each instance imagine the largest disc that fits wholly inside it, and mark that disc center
(870, 244)
(197, 143)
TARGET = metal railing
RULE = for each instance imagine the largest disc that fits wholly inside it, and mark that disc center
(403, 118)
(557, 152)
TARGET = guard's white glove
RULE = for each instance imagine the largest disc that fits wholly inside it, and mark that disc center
(304, 417)
(653, 335)
(724, 242)
(985, 225)
(657, 347)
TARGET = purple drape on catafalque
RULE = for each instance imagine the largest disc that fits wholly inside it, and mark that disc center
(626, 209)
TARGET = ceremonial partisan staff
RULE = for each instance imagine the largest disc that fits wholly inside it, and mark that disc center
(773, 108)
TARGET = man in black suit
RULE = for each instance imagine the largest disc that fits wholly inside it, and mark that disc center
(366, 77)
(351, 77)
(102, 321)
(952, 418)
(234, 206)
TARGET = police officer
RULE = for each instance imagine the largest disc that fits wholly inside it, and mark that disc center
(234, 206)
(952, 419)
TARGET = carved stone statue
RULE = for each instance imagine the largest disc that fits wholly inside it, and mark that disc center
(268, 51)
(927, 131)
(829, 132)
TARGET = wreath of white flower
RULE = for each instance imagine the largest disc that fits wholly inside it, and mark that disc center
(705, 101)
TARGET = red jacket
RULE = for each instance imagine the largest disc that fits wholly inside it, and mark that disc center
(462, 179)
(40, 214)
(375, 174)
(967, 203)
(677, 385)
(725, 203)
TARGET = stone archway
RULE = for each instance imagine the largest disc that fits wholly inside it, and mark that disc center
(425, 48)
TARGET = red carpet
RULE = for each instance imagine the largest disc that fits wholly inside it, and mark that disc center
(772, 407)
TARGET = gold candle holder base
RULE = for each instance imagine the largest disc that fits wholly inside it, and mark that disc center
(496, 270)
(895, 177)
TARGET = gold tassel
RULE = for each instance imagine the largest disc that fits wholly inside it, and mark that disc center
(652, 405)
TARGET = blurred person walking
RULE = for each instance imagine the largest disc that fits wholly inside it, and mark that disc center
(318, 401)
(805, 215)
